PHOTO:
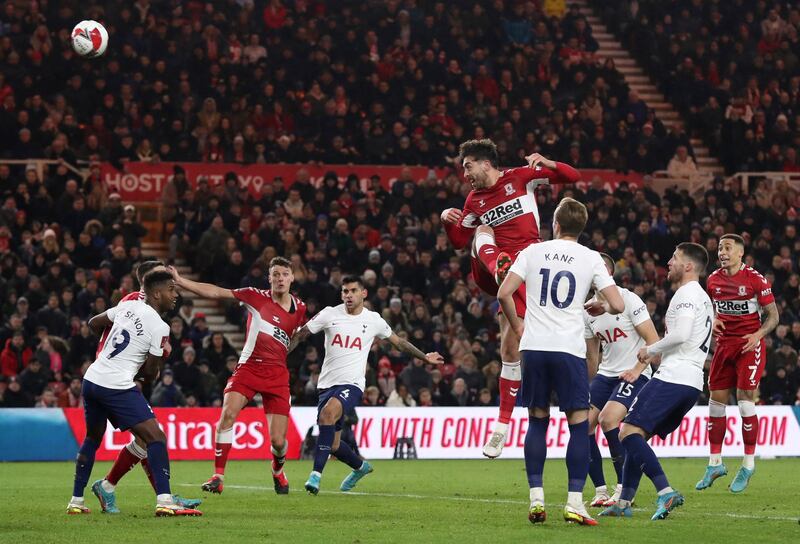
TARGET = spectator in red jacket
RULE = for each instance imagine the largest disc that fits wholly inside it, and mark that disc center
(15, 355)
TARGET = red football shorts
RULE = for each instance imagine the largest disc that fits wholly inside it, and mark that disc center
(272, 381)
(731, 368)
(488, 285)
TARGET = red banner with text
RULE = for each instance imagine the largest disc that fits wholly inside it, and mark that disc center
(144, 182)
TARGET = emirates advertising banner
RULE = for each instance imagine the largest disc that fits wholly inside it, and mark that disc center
(437, 433)
(142, 181)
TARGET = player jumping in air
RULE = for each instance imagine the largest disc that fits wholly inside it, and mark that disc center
(558, 275)
(617, 381)
(136, 342)
(662, 403)
(273, 317)
(136, 451)
(350, 329)
(502, 213)
(739, 294)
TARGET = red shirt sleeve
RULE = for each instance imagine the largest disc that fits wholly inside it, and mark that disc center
(763, 290)
(564, 173)
(250, 296)
(461, 233)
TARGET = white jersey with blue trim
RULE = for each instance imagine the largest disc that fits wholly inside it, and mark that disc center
(137, 331)
(558, 275)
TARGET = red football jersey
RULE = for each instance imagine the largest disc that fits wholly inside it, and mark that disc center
(737, 300)
(269, 326)
(509, 207)
(136, 295)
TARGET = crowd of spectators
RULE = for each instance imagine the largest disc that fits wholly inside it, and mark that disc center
(440, 72)
(345, 81)
(730, 66)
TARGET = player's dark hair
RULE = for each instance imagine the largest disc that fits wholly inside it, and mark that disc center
(609, 260)
(738, 240)
(480, 150)
(156, 279)
(144, 267)
(353, 279)
(280, 261)
(571, 217)
(696, 253)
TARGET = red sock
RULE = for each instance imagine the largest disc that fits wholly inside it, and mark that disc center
(750, 434)
(221, 451)
(146, 467)
(487, 254)
(122, 465)
(508, 398)
(716, 433)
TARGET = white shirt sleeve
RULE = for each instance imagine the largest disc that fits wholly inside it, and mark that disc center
(384, 330)
(111, 313)
(157, 340)
(587, 329)
(319, 321)
(520, 266)
(600, 277)
(637, 310)
(677, 335)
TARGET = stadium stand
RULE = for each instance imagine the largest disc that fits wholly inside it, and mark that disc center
(264, 82)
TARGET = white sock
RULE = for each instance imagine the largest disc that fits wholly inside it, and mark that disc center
(483, 239)
(511, 371)
(537, 495)
(664, 491)
(220, 476)
(107, 486)
(715, 460)
(575, 499)
(164, 499)
(749, 462)
(501, 428)
(76, 500)
(623, 503)
(319, 474)
(137, 450)
(601, 490)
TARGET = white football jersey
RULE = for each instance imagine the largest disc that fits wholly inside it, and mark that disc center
(137, 331)
(348, 339)
(558, 276)
(618, 337)
(684, 364)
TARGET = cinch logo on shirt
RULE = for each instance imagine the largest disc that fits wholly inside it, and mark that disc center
(734, 307)
(502, 213)
(346, 342)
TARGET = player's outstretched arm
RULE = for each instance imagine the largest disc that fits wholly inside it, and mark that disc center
(770, 322)
(100, 322)
(299, 337)
(205, 290)
(562, 172)
(407, 347)
(613, 300)
(506, 297)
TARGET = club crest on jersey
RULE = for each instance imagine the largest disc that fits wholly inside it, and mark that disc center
(742, 290)
(509, 189)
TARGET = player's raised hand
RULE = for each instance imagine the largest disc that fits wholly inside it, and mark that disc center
(535, 159)
(434, 358)
(595, 308)
(451, 216)
(718, 327)
(174, 271)
(751, 341)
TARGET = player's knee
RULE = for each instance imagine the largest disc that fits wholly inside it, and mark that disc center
(608, 421)
(745, 394)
